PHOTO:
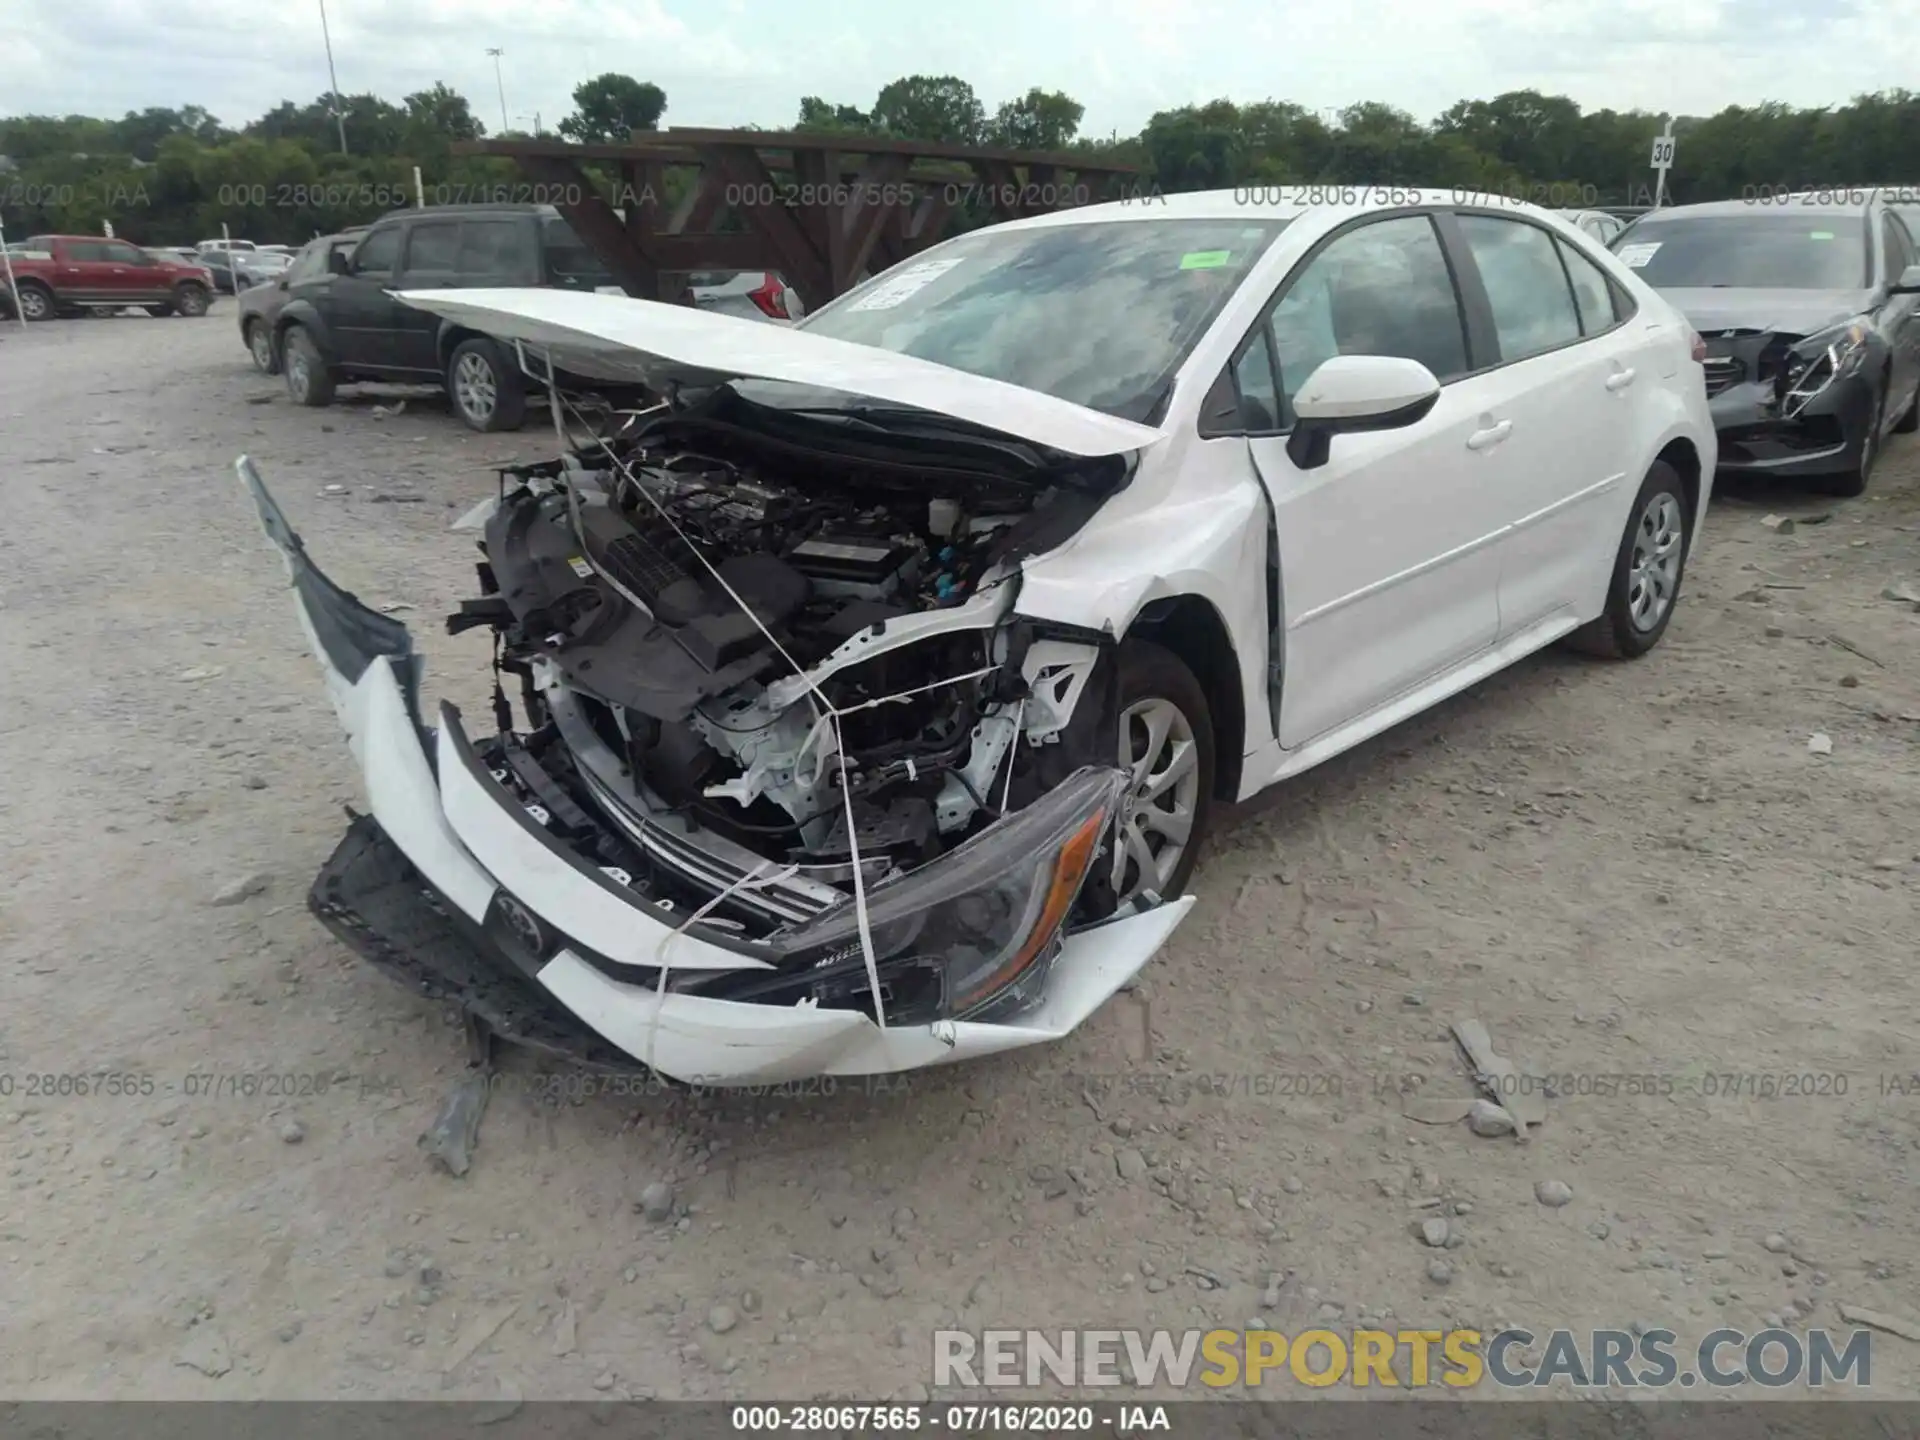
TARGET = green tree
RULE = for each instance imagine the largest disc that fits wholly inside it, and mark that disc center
(939, 109)
(608, 106)
(1043, 120)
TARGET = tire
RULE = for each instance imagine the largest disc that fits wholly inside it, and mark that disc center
(308, 380)
(36, 301)
(1661, 522)
(1163, 724)
(159, 312)
(486, 392)
(260, 347)
(1910, 421)
(191, 300)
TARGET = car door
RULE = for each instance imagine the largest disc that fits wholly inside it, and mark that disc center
(1899, 320)
(82, 273)
(359, 312)
(431, 262)
(1566, 379)
(132, 275)
(1387, 569)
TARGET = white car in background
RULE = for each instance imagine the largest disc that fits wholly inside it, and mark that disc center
(1597, 223)
(878, 685)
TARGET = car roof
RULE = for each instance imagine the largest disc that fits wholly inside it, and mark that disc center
(1812, 202)
(1273, 202)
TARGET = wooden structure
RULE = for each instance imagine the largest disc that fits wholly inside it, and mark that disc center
(824, 210)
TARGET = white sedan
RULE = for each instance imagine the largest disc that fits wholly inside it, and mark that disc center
(876, 687)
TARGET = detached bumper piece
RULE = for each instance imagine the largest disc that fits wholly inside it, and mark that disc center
(374, 901)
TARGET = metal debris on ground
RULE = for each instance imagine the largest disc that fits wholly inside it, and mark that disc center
(1820, 743)
(1520, 1096)
(449, 1142)
(1779, 524)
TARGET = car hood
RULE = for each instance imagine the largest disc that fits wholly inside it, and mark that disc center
(647, 342)
(1784, 312)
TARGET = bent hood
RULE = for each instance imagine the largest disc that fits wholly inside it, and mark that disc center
(1777, 312)
(647, 342)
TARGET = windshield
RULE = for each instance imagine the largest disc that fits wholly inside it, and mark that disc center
(1098, 313)
(1759, 251)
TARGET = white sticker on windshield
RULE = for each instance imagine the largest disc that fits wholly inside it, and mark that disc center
(896, 288)
(1638, 255)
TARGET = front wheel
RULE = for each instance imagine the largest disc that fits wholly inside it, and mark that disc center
(1646, 571)
(191, 300)
(308, 382)
(1850, 483)
(1165, 744)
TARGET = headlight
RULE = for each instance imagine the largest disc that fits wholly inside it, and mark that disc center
(975, 931)
(1819, 360)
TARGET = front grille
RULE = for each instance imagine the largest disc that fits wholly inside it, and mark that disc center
(1723, 371)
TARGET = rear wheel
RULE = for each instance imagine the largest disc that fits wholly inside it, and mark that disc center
(308, 382)
(260, 346)
(36, 302)
(486, 391)
(1165, 743)
(1647, 570)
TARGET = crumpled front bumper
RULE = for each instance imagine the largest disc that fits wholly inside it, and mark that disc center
(424, 885)
(1823, 439)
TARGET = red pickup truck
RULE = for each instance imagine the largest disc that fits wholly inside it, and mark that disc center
(70, 274)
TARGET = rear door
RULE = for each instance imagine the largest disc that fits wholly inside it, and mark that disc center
(431, 261)
(1388, 571)
(360, 314)
(1567, 381)
(81, 272)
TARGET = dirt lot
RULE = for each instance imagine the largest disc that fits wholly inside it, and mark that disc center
(1623, 870)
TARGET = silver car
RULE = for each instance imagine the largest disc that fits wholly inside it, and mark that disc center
(751, 294)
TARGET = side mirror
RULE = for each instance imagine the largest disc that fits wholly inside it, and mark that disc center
(339, 262)
(1351, 394)
(1909, 281)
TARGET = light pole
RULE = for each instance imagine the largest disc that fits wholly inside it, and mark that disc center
(340, 116)
(535, 117)
(499, 84)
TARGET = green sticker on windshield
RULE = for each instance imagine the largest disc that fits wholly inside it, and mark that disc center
(1205, 259)
(1821, 235)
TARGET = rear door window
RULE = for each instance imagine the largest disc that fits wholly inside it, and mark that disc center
(1532, 301)
(1592, 295)
(498, 250)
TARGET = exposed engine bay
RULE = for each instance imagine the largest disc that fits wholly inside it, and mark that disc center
(745, 677)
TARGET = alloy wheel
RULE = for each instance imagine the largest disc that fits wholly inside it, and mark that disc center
(1159, 752)
(33, 304)
(1653, 576)
(261, 343)
(474, 390)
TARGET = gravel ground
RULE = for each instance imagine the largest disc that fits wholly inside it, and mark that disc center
(1623, 870)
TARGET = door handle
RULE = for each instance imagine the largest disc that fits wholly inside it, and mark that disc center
(1619, 380)
(1490, 437)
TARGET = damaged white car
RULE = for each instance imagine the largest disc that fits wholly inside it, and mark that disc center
(875, 687)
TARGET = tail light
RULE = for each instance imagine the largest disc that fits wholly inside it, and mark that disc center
(1699, 348)
(771, 297)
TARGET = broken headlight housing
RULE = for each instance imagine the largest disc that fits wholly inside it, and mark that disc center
(1820, 360)
(972, 935)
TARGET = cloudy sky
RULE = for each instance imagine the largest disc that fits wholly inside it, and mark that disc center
(724, 62)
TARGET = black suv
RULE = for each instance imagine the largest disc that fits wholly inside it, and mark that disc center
(349, 327)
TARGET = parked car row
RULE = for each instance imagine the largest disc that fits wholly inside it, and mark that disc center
(65, 275)
(329, 317)
(1810, 309)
